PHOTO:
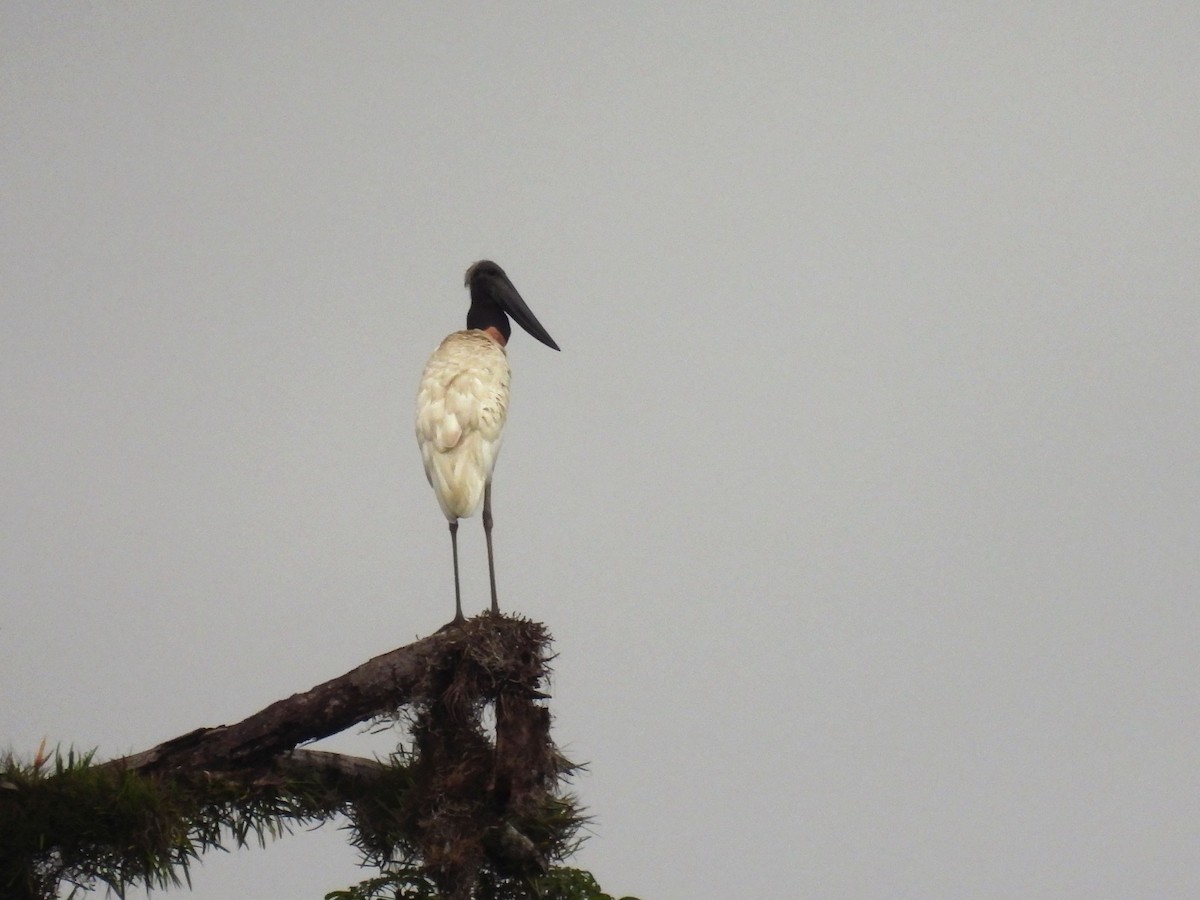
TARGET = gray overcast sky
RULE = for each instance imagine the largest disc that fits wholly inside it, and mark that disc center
(863, 500)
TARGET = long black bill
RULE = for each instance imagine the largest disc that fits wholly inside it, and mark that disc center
(488, 277)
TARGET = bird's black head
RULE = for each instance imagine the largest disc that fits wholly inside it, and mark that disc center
(494, 299)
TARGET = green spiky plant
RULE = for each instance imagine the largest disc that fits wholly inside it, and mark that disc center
(81, 824)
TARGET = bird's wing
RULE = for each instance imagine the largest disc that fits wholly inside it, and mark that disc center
(463, 392)
(461, 407)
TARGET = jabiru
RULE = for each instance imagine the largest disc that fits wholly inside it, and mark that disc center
(462, 404)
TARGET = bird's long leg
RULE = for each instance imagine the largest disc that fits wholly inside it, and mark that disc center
(487, 533)
(458, 616)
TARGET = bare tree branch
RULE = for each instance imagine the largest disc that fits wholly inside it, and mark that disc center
(377, 687)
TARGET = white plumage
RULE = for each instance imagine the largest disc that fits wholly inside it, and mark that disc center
(461, 407)
(462, 403)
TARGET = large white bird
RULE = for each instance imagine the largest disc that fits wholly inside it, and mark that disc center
(462, 404)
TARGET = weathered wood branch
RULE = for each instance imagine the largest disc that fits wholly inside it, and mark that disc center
(382, 685)
(325, 765)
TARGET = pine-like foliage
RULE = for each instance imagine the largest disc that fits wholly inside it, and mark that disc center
(75, 822)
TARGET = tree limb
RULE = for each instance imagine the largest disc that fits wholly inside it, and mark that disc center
(379, 686)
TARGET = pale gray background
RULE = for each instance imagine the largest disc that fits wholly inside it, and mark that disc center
(862, 501)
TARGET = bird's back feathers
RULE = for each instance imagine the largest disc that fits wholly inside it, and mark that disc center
(461, 407)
